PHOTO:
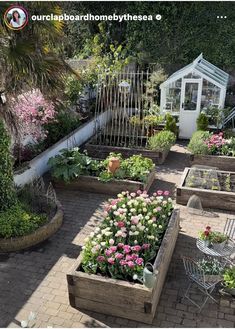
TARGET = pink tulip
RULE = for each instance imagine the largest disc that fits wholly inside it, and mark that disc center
(119, 256)
(139, 261)
(111, 260)
(100, 259)
(136, 248)
(131, 264)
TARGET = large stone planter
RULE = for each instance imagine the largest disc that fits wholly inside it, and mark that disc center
(209, 198)
(102, 151)
(41, 234)
(121, 298)
(92, 184)
(218, 161)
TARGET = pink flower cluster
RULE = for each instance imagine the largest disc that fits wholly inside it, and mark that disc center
(215, 141)
(129, 235)
(33, 111)
(125, 255)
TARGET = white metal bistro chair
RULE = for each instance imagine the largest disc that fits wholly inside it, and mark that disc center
(229, 230)
(197, 277)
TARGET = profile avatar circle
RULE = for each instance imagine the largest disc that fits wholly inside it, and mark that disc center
(16, 17)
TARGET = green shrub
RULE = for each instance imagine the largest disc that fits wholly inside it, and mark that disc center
(70, 164)
(7, 191)
(17, 221)
(202, 122)
(64, 124)
(73, 88)
(197, 142)
(161, 141)
(229, 278)
(171, 124)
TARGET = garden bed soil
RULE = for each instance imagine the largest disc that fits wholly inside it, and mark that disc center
(218, 199)
(92, 184)
(102, 151)
(118, 297)
(219, 161)
(41, 234)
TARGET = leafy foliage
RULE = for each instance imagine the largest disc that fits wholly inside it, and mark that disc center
(202, 122)
(171, 124)
(65, 122)
(70, 164)
(197, 143)
(17, 221)
(210, 266)
(229, 277)
(161, 141)
(7, 192)
(186, 20)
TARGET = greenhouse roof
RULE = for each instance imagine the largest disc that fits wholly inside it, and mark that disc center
(203, 68)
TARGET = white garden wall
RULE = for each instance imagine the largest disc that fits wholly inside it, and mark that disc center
(38, 166)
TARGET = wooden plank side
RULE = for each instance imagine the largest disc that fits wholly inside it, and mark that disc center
(92, 184)
(125, 287)
(102, 151)
(210, 199)
(114, 296)
(164, 257)
(221, 162)
(120, 311)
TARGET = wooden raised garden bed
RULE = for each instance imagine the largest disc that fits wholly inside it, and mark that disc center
(121, 298)
(92, 184)
(102, 151)
(219, 199)
(219, 161)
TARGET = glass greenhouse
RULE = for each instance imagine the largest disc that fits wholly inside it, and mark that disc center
(192, 89)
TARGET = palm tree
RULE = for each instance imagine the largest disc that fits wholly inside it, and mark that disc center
(31, 58)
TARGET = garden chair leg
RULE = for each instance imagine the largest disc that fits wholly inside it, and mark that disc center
(204, 291)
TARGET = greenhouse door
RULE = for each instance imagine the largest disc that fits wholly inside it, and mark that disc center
(189, 106)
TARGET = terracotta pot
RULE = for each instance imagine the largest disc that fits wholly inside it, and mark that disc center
(114, 164)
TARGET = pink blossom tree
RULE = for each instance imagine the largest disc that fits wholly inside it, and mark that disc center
(33, 111)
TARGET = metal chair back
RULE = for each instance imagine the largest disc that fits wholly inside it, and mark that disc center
(229, 228)
(193, 270)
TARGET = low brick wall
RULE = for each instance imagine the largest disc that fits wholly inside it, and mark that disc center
(41, 234)
(121, 298)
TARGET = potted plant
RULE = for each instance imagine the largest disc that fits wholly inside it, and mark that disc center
(218, 240)
(211, 268)
(205, 235)
(229, 280)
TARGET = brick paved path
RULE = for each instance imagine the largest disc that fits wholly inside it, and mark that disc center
(35, 280)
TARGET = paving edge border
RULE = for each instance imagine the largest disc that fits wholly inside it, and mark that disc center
(41, 234)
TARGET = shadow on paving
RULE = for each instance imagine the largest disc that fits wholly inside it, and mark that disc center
(22, 272)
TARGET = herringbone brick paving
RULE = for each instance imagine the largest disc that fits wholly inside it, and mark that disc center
(35, 280)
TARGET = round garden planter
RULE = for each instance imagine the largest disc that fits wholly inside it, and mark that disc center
(41, 234)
